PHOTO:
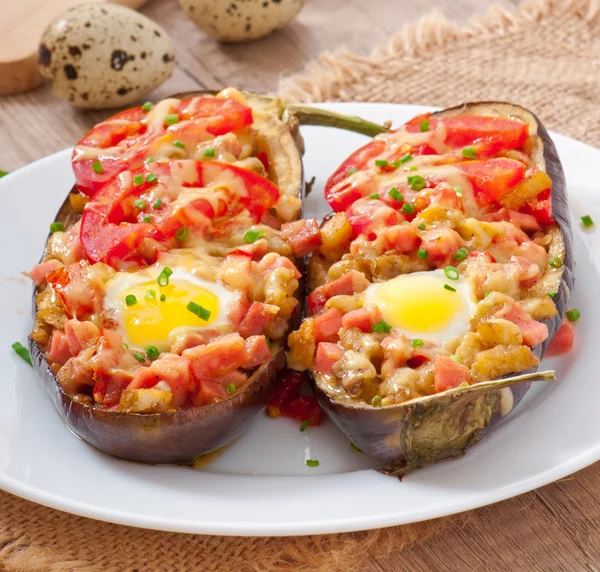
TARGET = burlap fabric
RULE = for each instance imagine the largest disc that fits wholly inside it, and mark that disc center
(545, 56)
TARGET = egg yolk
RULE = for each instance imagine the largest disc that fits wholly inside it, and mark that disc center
(417, 304)
(149, 321)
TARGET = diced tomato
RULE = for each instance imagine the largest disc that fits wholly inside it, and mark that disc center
(417, 360)
(39, 272)
(448, 374)
(80, 335)
(492, 179)
(533, 332)
(327, 355)
(316, 300)
(217, 358)
(73, 286)
(128, 138)
(327, 325)
(363, 318)
(59, 348)
(445, 196)
(259, 351)
(562, 341)
(441, 244)
(368, 215)
(303, 236)
(257, 318)
(540, 208)
(288, 388)
(402, 238)
(304, 408)
(525, 222)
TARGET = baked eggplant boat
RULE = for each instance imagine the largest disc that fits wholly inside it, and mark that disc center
(172, 274)
(443, 275)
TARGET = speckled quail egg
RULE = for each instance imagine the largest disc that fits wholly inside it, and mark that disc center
(103, 55)
(241, 20)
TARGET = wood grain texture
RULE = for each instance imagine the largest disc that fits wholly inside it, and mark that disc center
(555, 528)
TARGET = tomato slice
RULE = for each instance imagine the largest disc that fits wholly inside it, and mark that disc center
(124, 225)
(492, 179)
(123, 141)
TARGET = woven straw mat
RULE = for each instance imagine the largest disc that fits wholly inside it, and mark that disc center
(545, 56)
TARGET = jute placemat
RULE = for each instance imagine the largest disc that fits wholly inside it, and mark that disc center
(545, 56)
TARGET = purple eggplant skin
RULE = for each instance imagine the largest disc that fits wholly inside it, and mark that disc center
(411, 435)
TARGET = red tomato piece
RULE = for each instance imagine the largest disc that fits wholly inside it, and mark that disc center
(492, 179)
(368, 215)
(59, 348)
(304, 408)
(562, 341)
(303, 236)
(288, 388)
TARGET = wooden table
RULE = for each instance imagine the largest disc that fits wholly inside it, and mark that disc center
(554, 528)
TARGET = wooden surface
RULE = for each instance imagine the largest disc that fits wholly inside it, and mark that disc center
(555, 528)
(21, 26)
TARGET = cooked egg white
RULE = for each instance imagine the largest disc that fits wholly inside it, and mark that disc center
(419, 306)
(151, 321)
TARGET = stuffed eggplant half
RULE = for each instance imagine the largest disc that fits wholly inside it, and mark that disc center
(172, 274)
(443, 275)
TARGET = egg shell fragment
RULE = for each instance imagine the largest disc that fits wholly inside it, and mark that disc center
(241, 20)
(104, 56)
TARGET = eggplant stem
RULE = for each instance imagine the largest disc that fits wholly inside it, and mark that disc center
(313, 116)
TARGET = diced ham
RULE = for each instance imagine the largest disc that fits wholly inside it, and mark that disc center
(448, 374)
(59, 348)
(562, 341)
(218, 358)
(525, 222)
(257, 249)
(74, 286)
(351, 283)
(186, 340)
(534, 333)
(402, 238)
(368, 215)
(327, 325)
(259, 351)
(445, 196)
(237, 311)
(327, 355)
(529, 272)
(273, 260)
(211, 390)
(39, 272)
(302, 235)
(81, 335)
(363, 318)
(257, 318)
(441, 244)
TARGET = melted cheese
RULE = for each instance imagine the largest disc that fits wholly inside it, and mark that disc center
(155, 118)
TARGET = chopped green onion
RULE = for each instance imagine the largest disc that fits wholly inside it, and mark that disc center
(150, 294)
(157, 204)
(201, 312)
(405, 158)
(555, 262)
(408, 208)
(253, 235)
(179, 144)
(97, 167)
(456, 359)
(487, 293)
(130, 300)
(448, 287)
(147, 218)
(22, 352)
(152, 352)
(138, 180)
(126, 346)
(469, 153)
(140, 357)
(351, 171)
(573, 315)
(458, 191)
(149, 160)
(56, 227)
(424, 126)
(417, 343)
(396, 195)
(381, 163)
(162, 297)
(416, 182)
(376, 401)
(3, 173)
(171, 119)
(374, 196)
(312, 463)
(413, 168)
(451, 273)
(353, 446)
(461, 254)
(151, 177)
(395, 164)
(163, 277)
(140, 204)
(587, 220)
(422, 254)
(182, 233)
(422, 226)
(230, 388)
(551, 294)
(303, 426)
(382, 326)
(210, 152)
(147, 106)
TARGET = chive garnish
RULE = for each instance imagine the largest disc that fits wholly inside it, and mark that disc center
(179, 144)
(22, 352)
(416, 182)
(97, 167)
(150, 294)
(456, 359)
(157, 204)
(396, 194)
(408, 208)
(351, 171)
(458, 191)
(147, 218)
(138, 180)
(162, 297)
(417, 343)
(551, 294)
(140, 204)
(405, 158)
(312, 463)
(374, 196)
(382, 326)
(587, 220)
(147, 106)
(304, 426)
(422, 254)
(152, 352)
(163, 277)
(230, 389)
(469, 153)
(461, 254)
(151, 177)
(555, 262)
(376, 401)
(421, 226)
(573, 315)
(448, 287)
(56, 227)
(149, 160)
(171, 119)
(424, 126)
(182, 233)
(140, 357)
(413, 168)
(253, 235)
(451, 273)
(130, 300)
(381, 163)
(353, 446)
(201, 312)
(209, 152)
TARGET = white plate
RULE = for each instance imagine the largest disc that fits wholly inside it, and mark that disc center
(260, 485)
